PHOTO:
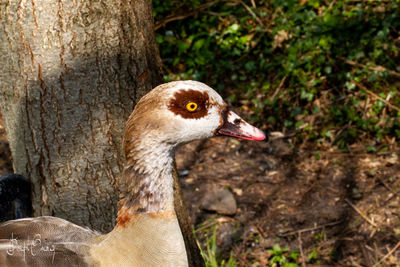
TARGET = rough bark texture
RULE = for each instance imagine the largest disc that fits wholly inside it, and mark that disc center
(71, 72)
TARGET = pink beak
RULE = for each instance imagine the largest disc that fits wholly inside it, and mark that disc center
(235, 126)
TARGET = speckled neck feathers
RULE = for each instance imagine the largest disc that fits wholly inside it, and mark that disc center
(148, 178)
(147, 175)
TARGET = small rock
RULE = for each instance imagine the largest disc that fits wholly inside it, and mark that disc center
(184, 172)
(238, 191)
(276, 135)
(219, 200)
(226, 235)
(189, 180)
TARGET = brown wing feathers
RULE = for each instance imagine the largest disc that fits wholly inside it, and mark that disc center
(43, 241)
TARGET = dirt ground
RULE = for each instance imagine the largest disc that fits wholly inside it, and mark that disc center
(334, 208)
(327, 207)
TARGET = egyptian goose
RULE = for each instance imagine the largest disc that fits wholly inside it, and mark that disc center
(147, 232)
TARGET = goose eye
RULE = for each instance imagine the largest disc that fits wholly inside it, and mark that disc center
(191, 106)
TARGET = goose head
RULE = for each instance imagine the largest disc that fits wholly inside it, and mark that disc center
(182, 111)
(171, 114)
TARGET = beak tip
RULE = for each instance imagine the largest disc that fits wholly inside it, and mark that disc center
(258, 136)
(241, 130)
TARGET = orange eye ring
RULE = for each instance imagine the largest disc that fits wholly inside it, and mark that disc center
(191, 106)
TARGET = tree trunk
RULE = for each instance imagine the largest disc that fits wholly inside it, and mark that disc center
(70, 75)
(71, 72)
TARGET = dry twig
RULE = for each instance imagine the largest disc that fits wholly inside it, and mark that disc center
(311, 228)
(387, 255)
(184, 15)
(252, 13)
(360, 213)
(278, 88)
(303, 261)
(376, 96)
(376, 68)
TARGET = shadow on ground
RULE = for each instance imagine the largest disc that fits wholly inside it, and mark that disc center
(328, 206)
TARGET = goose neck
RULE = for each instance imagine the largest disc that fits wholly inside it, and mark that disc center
(148, 180)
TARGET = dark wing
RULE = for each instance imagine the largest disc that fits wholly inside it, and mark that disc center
(43, 241)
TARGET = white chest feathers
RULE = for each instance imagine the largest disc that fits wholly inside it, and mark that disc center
(148, 240)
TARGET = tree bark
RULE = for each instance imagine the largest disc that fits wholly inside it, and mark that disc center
(71, 72)
(70, 75)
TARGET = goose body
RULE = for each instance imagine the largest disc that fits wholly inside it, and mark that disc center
(147, 232)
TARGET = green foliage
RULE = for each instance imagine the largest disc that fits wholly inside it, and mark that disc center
(282, 257)
(324, 69)
(210, 256)
(278, 257)
(312, 257)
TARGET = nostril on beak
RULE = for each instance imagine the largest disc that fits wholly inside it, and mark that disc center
(237, 121)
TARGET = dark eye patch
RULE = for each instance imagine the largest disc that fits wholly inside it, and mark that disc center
(181, 98)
